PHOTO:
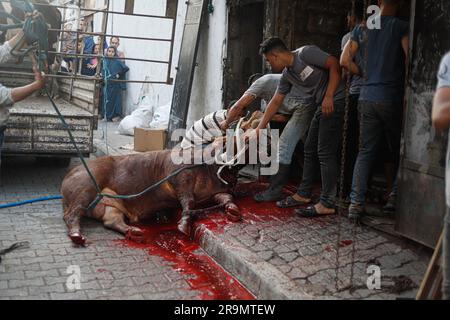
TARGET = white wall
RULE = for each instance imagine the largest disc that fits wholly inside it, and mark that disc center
(207, 86)
(207, 93)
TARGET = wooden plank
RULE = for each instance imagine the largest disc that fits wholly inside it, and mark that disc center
(432, 274)
(129, 6)
(186, 67)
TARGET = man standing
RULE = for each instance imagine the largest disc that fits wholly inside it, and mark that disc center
(313, 77)
(10, 96)
(441, 120)
(354, 18)
(115, 42)
(88, 46)
(385, 52)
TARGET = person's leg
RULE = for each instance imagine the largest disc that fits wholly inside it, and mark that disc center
(294, 131)
(117, 111)
(392, 117)
(446, 260)
(371, 133)
(352, 148)
(311, 165)
(330, 137)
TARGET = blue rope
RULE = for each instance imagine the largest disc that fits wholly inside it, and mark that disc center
(22, 203)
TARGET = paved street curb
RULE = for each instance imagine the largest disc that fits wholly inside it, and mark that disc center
(264, 280)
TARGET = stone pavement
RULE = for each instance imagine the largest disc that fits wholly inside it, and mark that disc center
(108, 269)
(274, 253)
(279, 255)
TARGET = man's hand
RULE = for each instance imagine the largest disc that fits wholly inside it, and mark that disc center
(39, 79)
(328, 106)
(251, 135)
(224, 125)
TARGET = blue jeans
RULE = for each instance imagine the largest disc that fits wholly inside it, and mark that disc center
(321, 152)
(295, 130)
(377, 119)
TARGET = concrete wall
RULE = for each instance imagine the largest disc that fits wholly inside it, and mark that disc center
(421, 186)
(207, 94)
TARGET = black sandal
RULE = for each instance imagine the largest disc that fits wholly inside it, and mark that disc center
(290, 202)
(311, 212)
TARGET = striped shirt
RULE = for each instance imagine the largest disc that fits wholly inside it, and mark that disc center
(205, 130)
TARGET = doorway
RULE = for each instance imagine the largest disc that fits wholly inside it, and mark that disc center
(245, 34)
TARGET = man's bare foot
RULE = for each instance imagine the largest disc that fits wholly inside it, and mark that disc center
(322, 210)
(299, 198)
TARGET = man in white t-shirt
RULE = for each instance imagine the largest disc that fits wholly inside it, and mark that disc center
(441, 120)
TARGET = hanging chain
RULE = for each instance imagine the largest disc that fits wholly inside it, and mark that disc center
(356, 223)
(341, 208)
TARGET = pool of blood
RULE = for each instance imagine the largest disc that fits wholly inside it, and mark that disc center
(186, 256)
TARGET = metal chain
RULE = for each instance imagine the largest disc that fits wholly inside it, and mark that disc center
(341, 208)
(356, 223)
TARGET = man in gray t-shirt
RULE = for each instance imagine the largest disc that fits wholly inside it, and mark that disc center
(293, 111)
(441, 120)
(313, 77)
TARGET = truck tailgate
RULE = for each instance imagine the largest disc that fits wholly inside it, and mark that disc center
(35, 128)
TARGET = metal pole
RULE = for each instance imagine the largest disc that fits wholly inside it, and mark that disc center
(174, 26)
(88, 55)
(114, 35)
(76, 51)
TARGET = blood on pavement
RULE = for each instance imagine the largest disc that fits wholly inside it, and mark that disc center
(186, 256)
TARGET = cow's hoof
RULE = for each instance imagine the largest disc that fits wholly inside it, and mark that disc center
(185, 226)
(78, 239)
(233, 213)
(135, 234)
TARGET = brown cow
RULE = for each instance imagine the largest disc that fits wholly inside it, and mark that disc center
(125, 175)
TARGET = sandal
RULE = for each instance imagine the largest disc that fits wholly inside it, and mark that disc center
(290, 202)
(311, 212)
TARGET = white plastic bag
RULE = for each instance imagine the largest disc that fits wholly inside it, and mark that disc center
(140, 118)
(161, 118)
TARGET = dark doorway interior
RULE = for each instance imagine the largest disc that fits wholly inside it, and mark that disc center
(245, 34)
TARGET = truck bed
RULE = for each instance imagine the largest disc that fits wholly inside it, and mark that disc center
(42, 106)
(34, 128)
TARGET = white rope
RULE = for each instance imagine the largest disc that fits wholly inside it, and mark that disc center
(233, 162)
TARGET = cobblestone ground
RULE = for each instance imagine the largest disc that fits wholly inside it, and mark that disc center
(302, 249)
(108, 271)
(305, 251)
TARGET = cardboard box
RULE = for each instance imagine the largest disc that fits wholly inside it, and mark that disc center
(149, 140)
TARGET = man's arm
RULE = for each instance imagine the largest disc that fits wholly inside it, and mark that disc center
(272, 109)
(441, 109)
(19, 94)
(348, 57)
(334, 81)
(237, 110)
